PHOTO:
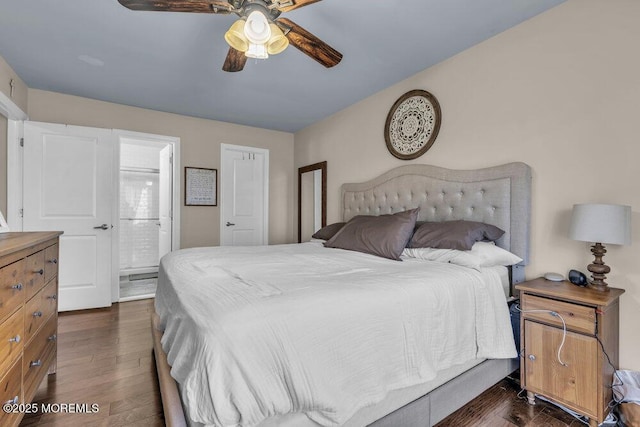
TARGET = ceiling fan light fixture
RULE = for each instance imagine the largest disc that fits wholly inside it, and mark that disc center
(257, 51)
(278, 42)
(235, 36)
(257, 29)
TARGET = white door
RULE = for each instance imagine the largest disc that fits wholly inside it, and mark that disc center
(244, 197)
(68, 187)
(165, 200)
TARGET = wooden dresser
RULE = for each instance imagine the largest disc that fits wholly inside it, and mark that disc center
(574, 368)
(28, 316)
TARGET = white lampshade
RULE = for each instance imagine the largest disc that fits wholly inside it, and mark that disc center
(600, 223)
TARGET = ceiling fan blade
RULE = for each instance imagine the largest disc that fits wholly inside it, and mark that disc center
(235, 61)
(198, 6)
(297, 4)
(309, 44)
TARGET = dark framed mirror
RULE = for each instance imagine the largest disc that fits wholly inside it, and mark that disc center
(312, 199)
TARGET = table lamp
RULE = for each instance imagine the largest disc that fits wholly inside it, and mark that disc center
(600, 223)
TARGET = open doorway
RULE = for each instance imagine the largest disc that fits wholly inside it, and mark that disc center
(145, 214)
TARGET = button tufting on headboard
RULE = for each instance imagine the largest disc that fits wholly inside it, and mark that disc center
(499, 195)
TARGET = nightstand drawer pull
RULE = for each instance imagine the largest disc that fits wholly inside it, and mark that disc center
(15, 339)
(532, 357)
(35, 363)
(37, 314)
(54, 296)
(53, 337)
(53, 261)
(17, 286)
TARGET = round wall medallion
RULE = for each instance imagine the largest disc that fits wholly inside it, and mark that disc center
(412, 124)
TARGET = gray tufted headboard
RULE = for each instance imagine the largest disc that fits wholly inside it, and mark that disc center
(499, 195)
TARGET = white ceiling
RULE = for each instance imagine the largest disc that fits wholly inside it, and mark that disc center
(173, 61)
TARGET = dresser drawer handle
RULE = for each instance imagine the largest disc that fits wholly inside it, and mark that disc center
(17, 286)
(53, 261)
(15, 339)
(53, 337)
(40, 272)
(13, 401)
(37, 314)
(35, 363)
(532, 357)
(54, 296)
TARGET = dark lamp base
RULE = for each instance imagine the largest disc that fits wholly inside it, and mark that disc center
(598, 269)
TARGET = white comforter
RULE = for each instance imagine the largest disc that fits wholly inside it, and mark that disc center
(251, 332)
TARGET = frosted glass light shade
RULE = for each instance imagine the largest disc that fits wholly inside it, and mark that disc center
(600, 223)
(257, 28)
(278, 42)
(235, 36)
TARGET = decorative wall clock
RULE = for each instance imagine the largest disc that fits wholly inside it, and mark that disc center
(412, 124)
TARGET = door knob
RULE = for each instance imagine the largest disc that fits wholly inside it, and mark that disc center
(229, 224)
(101, 227)
(532, 357)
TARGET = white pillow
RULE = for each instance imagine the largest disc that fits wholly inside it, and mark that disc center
(482, 254)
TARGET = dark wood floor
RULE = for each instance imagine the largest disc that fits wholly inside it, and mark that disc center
(105, 357)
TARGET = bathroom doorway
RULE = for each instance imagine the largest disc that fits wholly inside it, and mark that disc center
(146, 223)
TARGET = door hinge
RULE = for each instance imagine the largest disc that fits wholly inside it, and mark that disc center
(21, 142)
(171, 159)
(21, 213)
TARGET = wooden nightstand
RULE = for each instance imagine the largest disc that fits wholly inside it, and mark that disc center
(583, 384)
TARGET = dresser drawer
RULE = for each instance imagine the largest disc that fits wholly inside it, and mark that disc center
(577, 317)
(34, 273)
(11, 392)
(39, 308)
(11, 288)
(38, 354)
(11, 339)
(50, 262)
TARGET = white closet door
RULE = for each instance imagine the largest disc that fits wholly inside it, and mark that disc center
(244, 196)
(68, 187)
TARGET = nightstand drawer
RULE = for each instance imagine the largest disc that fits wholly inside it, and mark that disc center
(579, 318)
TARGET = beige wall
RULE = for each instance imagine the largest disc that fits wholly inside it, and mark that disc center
(200, 141)
(559, 92)
(19, 87)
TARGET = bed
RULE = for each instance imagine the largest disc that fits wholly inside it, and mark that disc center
(314, 362)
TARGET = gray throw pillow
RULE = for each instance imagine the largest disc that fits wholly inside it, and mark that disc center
(327, 232)
(385, 235)
(458, 234)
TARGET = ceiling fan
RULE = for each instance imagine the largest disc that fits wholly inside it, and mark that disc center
(259, 32)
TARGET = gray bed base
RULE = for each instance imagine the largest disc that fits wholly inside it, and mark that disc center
(436, 405)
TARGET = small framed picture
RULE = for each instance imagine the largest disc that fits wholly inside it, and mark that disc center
(3, 224)
(201, 187)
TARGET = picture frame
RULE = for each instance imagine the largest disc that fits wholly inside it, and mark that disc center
(4, 227)
(201, 186)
